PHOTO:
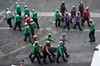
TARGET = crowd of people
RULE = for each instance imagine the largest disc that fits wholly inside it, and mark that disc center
(31, 23)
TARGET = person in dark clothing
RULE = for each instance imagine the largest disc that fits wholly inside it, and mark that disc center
(81, 8)
(46, 53)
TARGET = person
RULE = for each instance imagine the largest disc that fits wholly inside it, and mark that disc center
(32, 26)
(18, 9)
(27, 19)
(26, 11)
(34, 17)
(35, 52)
(57, 18)
(59, 52)
(77, 20)
(66, 18)
(92, 31)
(73, 13)
(17, 20)
(63, 9)
(46, 53)
(27, 32)
(63, 39)
(85, 16)
(9, 16)
(81, 8)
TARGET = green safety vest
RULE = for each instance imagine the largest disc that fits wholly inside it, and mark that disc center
(59, 50)
(34, 49)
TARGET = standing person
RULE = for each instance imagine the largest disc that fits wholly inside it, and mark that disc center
(73, 13)
(35, 52)
(32, 26)
(66, 18)
(77, 20)
(17, 20)
(63, 9)
(46, 53)
(27, 32)
(26, 11)
(81, 8)
(59, 52)
(9, 16)
(92, 31)
(63, 39)
(57, 18)
(27, 19)
(85, 16)
(18, 8)
(34, 17)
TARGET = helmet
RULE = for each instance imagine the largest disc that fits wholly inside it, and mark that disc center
(32, 10)
(26, 24)
(73, 6)
(57, 10)
(26, 15)
(63, 34)
(35, 36)
(31, 20)
(87, 8)
(63, 1)
(15, 13)
(16, 3)
(90, 20)
(25, 6)
(49, 34)
(66, 12)
(60, 42)
(7, 9)
(36, 42)
(78, 12)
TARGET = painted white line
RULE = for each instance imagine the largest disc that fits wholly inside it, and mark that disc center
(51, 30)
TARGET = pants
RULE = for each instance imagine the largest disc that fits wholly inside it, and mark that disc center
(9, 22)
(19, 13)
(17, 24)
(57, 22)
(84, 19)
(67, 25)
(45, 54)
(64, 49)
(72, 17)
(36, 21)
(32, 31)
(36, 55)
(92, 35)
(27, 35)
(58, 55)
(40, 56)
(77, 24)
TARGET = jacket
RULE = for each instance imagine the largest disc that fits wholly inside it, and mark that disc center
(17, 18)
(59, 49)
(57, 15)
(34, 15)
(8, 15)
(32, 25)
(26, 12)
(27, 29)
(86, 14)
(18, 8)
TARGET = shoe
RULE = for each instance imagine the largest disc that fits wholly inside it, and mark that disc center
(82, 24)
(90, 41)
(40, 64)
(93, 40)
(58, 62)
(20, 30)
(32, 61)
(81, 30)
(52, 61)
(65, 60)
(45, 62)
(54, 56)
(68, 56)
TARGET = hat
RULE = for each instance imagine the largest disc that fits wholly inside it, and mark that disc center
(32, 10)
(87, 8)
(73, 6)
(60, 42)
(63, 34)
(16, 3)
(57, 10)
(36, 42)
(63, 1)
(31, 20)
(7, 9)
(90, 20)
(49, 34)
(25, 6)
(26, 15)
(78, 12)
(35, 36)
(66, 12)
(26, 23)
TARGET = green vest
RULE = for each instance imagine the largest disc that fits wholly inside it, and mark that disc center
(34, 15)
(32, 25)
(34, 49)
(27, 29)
(18, 8)
(57, 15)
(92, 26)
(59, 50)
(17, 18)
(26, 12)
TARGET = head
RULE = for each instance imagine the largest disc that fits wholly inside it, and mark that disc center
(78, 12)
(87, 8)
(47, 43)
(35, 36)
(32, 10)
(16, 3)
(26, 16)
(36, 43)
(60, 42)
(15, 13)
(25, 6)
(63, 35)
(63, 2)
(90, 20)
(26, 24)
(49, 34)
(7, 9)
(31, 20)
(57, 10)
(81, 2)
(66, 13)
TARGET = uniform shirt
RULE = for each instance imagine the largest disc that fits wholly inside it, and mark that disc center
(59, 49)
(8, 14)
(63, 39)
(73, 11)
(48, 39)
(57, 15)
(18, 8)
(32, 25)
(26, 12)
(17, 18)
(34, 49)
(77, 19)
(66, 19)
(27, 29)
(86, 14)
(92, 26)
(27, 20)
(34, 15)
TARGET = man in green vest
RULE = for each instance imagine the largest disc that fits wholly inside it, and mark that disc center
(32, 26)
(18, 8)
(57, 18)
(27, 32)
(17, 20)
(59, 52)
(34, 17)
(26, 11)
(92, 31)
(35, 52)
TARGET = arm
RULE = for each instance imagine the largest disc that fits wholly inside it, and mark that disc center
(6, 16)
(47, 51)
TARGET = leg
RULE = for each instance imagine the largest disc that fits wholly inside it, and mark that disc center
(36, 54)
(68, 25)
(32, 31)
(88, 21)
(44, 57)
(64, 58)
(75, 25)
(29, 37)
(30, 56)
(79, 26)
(25, 37)
(59, 23)
(15, 26)
(36, 21)
(94, 35)
(83, 21)
(19, 26)
(56, 22)
(10, 22)
(90, 36)
(49, 58)
(58, 55)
